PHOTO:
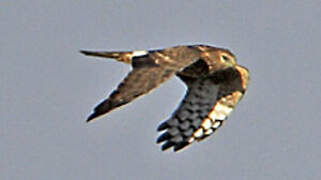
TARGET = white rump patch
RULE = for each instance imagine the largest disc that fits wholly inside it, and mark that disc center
(139, 53)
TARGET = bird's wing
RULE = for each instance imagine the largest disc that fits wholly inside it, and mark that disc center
(206, 105)
(149, 71)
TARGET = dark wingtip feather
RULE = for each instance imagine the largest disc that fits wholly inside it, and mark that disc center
(162, 126)
(85, 52)
(163, 137)
(92, 117)
(167, 145)
(180, 146)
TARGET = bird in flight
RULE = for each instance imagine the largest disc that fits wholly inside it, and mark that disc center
(215, 84)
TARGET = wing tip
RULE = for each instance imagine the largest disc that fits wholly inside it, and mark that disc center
(85, 52)
(163, 137)
(180, 146)
(162, 126)
(167, 145)
(92, 117)
(177, 147)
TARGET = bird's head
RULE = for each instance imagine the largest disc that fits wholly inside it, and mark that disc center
(218, 58)
(226, 58)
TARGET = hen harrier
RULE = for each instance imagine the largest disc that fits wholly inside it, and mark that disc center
(215, 82)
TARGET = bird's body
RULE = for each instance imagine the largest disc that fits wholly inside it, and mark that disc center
(215, 84)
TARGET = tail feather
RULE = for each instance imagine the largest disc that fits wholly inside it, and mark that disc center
(119, 56)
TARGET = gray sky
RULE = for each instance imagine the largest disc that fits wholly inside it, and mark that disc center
(47, 90)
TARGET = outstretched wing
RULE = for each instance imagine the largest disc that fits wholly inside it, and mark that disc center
(206, 105)
(149, 71)
(138, 82)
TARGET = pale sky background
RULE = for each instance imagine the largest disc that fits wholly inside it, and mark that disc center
(48, 89)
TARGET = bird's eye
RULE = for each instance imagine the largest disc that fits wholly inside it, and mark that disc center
(225, 58)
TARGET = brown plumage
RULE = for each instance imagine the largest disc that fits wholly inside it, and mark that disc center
(215, 83)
